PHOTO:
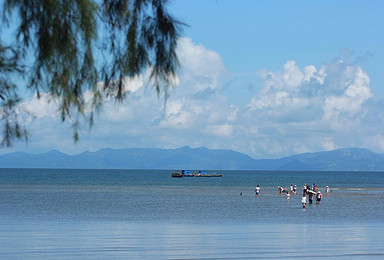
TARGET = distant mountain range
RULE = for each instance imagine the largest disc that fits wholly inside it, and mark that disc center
(348, 159)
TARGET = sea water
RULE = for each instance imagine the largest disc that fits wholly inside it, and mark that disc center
(146, 214)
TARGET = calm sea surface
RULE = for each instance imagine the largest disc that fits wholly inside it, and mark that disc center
(146, 214)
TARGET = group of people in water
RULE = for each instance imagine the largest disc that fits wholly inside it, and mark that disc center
(310, 191)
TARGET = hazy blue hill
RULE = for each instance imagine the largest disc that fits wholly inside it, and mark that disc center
(199, 158)
(51, 159)
(296, 166)
(352, 159)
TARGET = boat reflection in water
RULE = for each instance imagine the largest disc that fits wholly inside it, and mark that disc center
(184, 173)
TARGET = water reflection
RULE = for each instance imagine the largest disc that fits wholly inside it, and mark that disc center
(184, 241)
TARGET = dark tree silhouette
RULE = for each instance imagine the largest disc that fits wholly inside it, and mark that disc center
(64, 47)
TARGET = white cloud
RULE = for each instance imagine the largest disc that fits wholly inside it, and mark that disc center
(45, 106)
(219, 130)
(356, 92)
(377, 141)
(309, 89)
(201, 68)
(328, 144)
(313, 109)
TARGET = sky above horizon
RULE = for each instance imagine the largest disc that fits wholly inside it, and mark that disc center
(265, 78)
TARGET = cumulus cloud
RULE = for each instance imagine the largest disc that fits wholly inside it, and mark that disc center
(201, 68)
(313, 108)
(46, 106)
(295, 110)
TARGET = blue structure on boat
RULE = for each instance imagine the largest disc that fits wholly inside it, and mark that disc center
(185, 173)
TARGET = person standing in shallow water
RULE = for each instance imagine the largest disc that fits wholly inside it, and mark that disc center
(318, 197)
(257, 190)
(310, 196)
(288, 196)
(327, 189)
(304, 201)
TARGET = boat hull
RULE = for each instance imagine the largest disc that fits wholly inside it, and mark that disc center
(189, 174)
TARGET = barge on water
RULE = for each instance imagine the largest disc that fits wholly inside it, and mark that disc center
(184, 173)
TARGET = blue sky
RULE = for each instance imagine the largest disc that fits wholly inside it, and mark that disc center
(266, 78)
(252, 35)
